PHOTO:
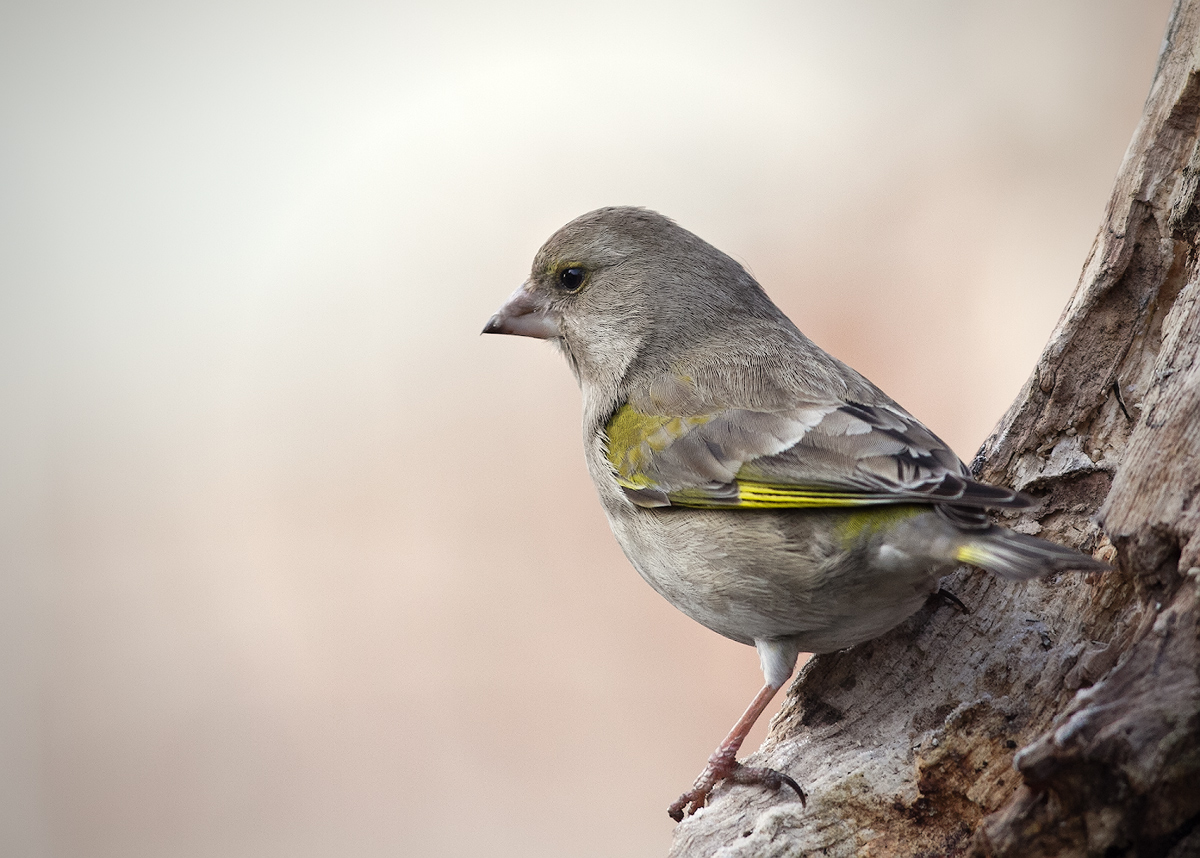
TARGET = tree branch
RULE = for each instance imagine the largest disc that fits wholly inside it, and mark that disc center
(1060, 717)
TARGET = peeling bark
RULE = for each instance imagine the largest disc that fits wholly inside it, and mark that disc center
(1061, 717)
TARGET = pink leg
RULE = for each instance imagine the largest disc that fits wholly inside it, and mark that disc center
(723, 764)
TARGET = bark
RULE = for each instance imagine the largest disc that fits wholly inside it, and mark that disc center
(1060, 717)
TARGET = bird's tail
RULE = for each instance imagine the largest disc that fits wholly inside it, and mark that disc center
(1014, 555)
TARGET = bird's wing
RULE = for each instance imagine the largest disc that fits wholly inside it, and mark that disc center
(832, 454)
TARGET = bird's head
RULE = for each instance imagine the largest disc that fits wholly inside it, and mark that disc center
(626, 290)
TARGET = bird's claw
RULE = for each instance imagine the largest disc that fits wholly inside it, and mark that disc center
(945, 597)
(769, 778)
(733, 771)
(688, 803)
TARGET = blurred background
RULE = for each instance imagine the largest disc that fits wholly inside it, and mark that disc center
(294, 562)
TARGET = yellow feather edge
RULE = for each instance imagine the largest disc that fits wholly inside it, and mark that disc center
(752, 495)
(634, 438)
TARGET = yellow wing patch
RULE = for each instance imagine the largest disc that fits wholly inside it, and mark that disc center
(973, 555)
(634, 438)
(754, 495)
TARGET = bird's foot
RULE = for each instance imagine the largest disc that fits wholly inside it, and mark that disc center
(726, 768)
(945, 597)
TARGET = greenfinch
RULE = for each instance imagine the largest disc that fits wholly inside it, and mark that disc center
(760, 485)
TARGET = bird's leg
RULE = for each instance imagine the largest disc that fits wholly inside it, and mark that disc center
(723, 764)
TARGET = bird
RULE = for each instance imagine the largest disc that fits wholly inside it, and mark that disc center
(763, 487)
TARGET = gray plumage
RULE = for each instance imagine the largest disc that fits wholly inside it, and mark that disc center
(763, 487)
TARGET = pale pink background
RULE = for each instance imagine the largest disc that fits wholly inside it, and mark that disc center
(297, 564)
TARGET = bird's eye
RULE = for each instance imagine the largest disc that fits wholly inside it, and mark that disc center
(571, 279)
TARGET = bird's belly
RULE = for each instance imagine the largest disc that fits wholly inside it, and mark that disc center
(752, 576)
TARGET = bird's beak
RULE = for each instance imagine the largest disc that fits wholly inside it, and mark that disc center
(525, 314)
